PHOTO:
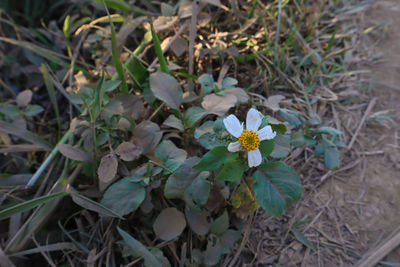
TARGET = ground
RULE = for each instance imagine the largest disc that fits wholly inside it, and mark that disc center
(349, 212)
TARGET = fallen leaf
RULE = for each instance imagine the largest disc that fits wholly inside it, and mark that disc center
(273, 102)
(128, 151)
(107, 168)
(24, 98)
(73, 152)
(166, 88)
(147, 135)
(218, 105)
(169, 224)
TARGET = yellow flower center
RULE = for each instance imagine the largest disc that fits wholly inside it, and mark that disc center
(249, 140)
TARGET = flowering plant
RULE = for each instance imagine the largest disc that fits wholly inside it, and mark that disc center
(275, 185)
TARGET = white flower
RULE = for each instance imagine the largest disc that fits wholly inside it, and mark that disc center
(250, 138)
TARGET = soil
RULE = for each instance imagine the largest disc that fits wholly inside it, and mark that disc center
(348, 212)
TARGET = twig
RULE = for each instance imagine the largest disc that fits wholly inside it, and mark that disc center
(381, 251)
(369, 108)
(192, 34)
(244, 241)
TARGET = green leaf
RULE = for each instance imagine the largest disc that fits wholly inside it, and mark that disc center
(160, 257)
(174, 122)
(181, 179)
(282, 146)
(329, 130)
(30, 204)
(229, 83)
(198, 191)
(266, 147)
(276, 185)
(124, 196)
(171, 156)
(166, 88)
(10, 111)
(139, 72)
(198, 221)
(206, 80)
(290, 116)
(33, 110)
(319, 150)
(221, 224)
(192, 115)
(232, 171)
(214, 158)
(149, 259)
(265, 121)
(110, 86)
(212, 255)
(332, 157)
(297, 139)
(279, 128)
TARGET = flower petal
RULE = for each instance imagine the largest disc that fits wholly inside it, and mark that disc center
(234, 147)
(266, 133)
(233, 126)
(254, 158)
(253, 119)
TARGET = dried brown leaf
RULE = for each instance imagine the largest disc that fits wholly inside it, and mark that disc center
(108, 168)
(73, 152)
(24, 98)
(128, 151)
(169, 224)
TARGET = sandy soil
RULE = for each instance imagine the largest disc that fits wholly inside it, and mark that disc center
(352, 211)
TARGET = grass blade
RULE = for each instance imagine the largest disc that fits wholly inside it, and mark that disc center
(115, 54)
(139, 248)
(159, 52)
(30, 204)
(52, 94)
(89, 204)
(24, 134)
(47, 248)
(278, 27)
(35, 222)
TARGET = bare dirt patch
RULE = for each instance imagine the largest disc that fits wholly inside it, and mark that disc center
(346, 214)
